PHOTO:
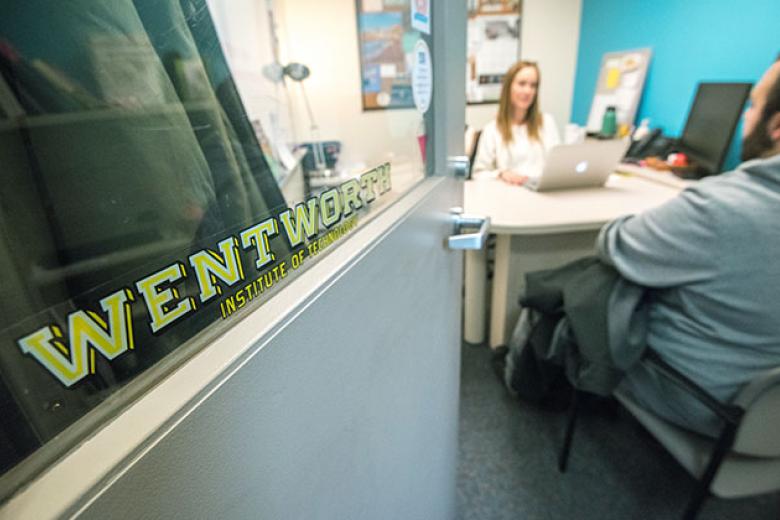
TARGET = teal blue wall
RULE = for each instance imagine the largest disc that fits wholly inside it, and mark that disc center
(692, 41)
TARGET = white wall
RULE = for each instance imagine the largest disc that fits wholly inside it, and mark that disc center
(550, 35)
(323, 36)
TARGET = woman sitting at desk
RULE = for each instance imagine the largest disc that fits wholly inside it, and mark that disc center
(512, 147)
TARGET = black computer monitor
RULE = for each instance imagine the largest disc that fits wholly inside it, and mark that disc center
(711, 122)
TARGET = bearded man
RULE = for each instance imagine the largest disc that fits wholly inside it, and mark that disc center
(710, 259)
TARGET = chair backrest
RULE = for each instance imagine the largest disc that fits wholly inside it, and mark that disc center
(473, 151)
(759, 432)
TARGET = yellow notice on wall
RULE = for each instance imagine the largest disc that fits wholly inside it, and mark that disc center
(613, 77)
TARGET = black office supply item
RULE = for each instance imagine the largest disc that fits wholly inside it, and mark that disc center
(711, 122)
(331, 151)
(643, 147)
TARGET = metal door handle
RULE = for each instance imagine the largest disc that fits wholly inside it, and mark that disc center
(460, 166)
(469, 240)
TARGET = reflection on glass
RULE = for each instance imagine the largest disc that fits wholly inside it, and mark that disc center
(133, 151)
(139, 161)
(331, 114)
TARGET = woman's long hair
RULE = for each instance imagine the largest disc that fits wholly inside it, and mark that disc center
(533, 118)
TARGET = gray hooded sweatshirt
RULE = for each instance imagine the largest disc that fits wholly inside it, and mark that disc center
(711, 259)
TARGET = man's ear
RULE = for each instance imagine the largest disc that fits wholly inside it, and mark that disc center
(773, 128)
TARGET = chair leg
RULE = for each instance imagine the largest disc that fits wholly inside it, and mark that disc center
(702, 491)
(563, 456)
(699, 496)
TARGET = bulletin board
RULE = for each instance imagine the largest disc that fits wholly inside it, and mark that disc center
(620, 84)
(493, 35)
(386, 39)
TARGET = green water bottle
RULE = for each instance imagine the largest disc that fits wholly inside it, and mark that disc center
(609, 123)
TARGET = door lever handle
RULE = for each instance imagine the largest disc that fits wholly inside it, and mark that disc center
(469, 240)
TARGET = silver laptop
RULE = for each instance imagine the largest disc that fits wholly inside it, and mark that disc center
(583, 165)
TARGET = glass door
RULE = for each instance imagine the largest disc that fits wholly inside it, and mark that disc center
(233, 257)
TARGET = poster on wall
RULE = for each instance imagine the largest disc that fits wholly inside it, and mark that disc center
(421, 15)
(422, 77)
(387, 41)
(493, 46)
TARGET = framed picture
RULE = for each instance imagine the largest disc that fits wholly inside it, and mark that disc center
(386, 42)
(493, 46)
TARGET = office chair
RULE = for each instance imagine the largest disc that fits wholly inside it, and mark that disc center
(744, 460)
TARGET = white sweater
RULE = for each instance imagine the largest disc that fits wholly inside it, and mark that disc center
(522, 156)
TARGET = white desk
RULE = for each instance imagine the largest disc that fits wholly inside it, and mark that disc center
(539, 231)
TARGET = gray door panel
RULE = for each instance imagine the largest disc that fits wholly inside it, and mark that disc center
(349, 412)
